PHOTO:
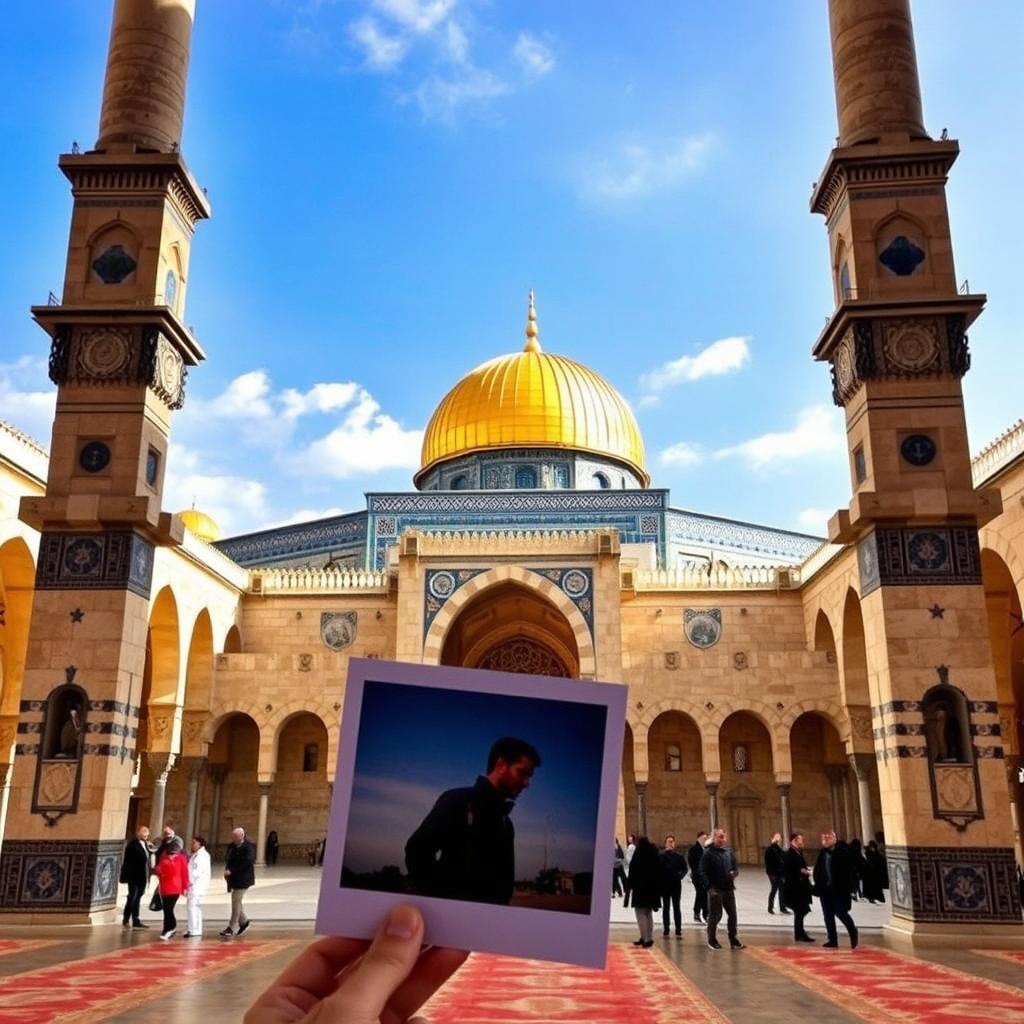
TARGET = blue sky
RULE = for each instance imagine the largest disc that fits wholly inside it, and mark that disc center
(417, 741)
(389, 177)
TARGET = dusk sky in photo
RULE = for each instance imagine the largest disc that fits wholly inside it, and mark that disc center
(389, 177)
(415, 742)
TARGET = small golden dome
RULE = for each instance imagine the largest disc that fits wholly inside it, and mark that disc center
(201, 525)
(536, 400)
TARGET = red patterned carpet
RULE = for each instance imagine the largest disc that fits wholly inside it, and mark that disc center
(878, 985)
(1015, 956)
(8, 946)
(636, 986)
(100, 987)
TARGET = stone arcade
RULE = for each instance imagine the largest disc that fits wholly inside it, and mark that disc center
(873, 682)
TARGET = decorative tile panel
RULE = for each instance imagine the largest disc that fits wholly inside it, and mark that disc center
(960, 885)
(95, 561)
(907, 556)
(58, 876)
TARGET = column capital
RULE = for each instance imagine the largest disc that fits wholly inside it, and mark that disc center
(835, 773)
(161, 764)
(784, 788)
(641, 787)
(217, 771)
(195, 766)
(712, 788)
(265, 788)
(862, 765)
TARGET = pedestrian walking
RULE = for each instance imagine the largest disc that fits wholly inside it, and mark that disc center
(673, 868)
(874, 874)
(775, 869)
(796, 886)
(700, 890)
(172, 871)
(240, 873)
(619, 870)
(644, 888)
(627, 860)
(135, 867)
(272, 847)
(832, 886)
(198, 885)
(719, 868)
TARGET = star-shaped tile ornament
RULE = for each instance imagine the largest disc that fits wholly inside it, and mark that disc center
(937, 612)
(77, 615)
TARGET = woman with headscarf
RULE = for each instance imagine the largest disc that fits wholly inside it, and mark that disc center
(645, 889)
(172, 871)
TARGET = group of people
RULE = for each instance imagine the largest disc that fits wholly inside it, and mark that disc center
(652, 879)
(178, 875)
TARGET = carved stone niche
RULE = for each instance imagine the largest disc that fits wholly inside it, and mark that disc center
(59, 761)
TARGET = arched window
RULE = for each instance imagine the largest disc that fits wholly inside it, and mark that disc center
(741, 758)
(601, 481)
(673, 758)
(526, 476)
(310, 757)
(64, 723)
(460, 482)
(947, 726)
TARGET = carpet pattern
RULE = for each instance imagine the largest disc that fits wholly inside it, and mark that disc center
(1014, 956)
(8, 946)
(100, 987)
(637, 985)
(879, 985)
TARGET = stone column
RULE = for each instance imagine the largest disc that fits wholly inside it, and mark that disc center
(5, 789)
(196, 767)
(1015, 785)
(861, 765)
(834, 773)
(712, 788)
(848, 826)
(217, 773)
(787, 825)
(641, 806)
(161, 765)
(261, 825)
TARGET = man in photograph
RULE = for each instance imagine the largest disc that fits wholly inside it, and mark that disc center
(464, 849)
(673, 868)
(833, 883)
(719, 868)
(700, 891)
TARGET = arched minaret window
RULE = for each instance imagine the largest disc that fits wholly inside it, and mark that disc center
(601, 481)
(741, 758)
(64, 723)
(460, 482)
(673, 758)
(947, 726)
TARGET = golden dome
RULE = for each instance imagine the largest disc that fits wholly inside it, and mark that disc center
(201, 525)
(536, 400)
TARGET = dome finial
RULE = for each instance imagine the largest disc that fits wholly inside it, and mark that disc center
(532, 344)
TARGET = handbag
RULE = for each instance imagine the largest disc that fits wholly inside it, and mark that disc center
(156, 903)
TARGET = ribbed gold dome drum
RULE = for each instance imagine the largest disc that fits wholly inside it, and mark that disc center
(531, 399)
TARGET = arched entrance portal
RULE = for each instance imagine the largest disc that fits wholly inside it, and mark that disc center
(509, 628)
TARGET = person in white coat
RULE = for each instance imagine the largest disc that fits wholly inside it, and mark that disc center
(198, 885)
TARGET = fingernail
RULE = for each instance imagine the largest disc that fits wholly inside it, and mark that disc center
(402, 923)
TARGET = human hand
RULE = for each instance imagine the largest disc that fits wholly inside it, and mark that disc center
(351, 981)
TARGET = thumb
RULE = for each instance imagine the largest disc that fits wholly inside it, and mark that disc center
(365, 991)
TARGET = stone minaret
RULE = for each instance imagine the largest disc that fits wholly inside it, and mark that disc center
(897, 345)
(119, 357)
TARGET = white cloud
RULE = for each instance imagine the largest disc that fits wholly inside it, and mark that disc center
(381, 52)
(416, 15)
(681, 454)
(230, 499)
(727, 355)
(441, 98)
(27, 398)
(818, 431)
(457, 42)
(536, 59)
(366, 441)
(246, 397)
(305, 515)
(815, 520)
(319, 398)
(637, 169)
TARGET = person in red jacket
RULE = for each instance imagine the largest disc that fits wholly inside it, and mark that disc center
(172, 870)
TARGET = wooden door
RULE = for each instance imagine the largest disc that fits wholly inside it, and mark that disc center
(744, 837)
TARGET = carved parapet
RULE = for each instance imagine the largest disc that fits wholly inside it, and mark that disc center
(317, 581)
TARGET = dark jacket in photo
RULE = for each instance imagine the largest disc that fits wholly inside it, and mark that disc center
(717, 867)
(465, 847)
(135, 865)
(834, 875)
(693, 856)
(241, 862)
(672, 867)
(645, 877)
(796, 886)
(774, 860)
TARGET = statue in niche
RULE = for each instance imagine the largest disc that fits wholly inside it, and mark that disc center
(943, 724)
(70, 731)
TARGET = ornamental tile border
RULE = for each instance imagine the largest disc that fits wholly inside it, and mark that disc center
(440, 584)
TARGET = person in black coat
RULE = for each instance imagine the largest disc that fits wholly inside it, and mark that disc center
(774, 867)
(700, 890)
(240, 873)
(645, 888)
(673, 870)
(464, 849)
(719, 868)
(833, 883)
(135, 864)
(874, 874)
(796, 885)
